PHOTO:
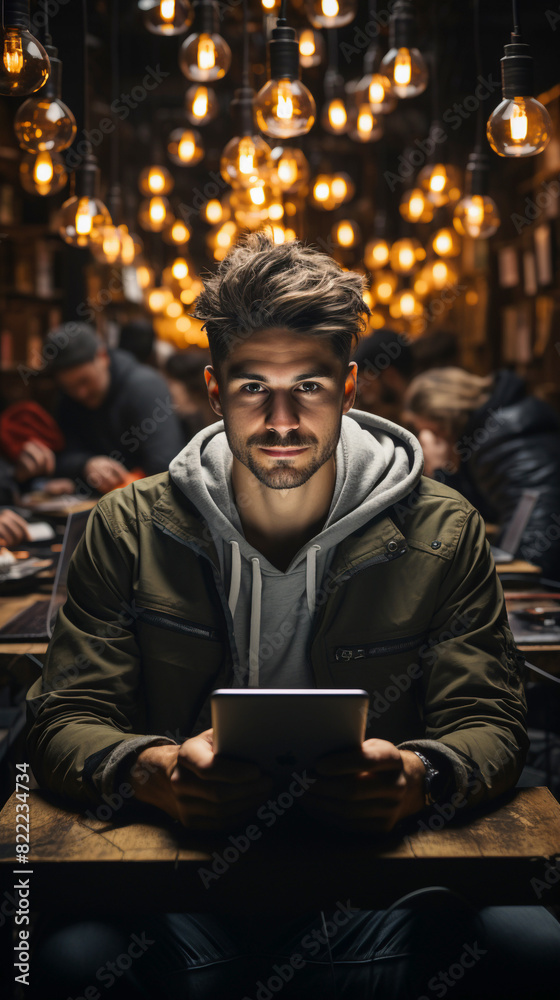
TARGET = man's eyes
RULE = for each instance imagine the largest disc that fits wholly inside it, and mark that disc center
(254, 388)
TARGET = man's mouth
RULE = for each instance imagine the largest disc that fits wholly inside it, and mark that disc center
(284, 452)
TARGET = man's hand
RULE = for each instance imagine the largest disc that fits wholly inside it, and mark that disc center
(13, 528)
(367, 790)
(34, 459)
(199, 788)
(104, 473)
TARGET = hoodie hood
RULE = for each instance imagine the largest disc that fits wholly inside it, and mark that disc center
(377, 463)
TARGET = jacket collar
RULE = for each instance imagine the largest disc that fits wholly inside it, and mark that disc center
(380, 539)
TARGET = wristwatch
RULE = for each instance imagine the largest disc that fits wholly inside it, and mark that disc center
(431, 780)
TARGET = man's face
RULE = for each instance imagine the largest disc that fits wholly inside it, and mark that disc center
(87, 384)
(282, 396)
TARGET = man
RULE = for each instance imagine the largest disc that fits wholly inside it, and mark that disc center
(116, 414)
(184, 372)
(295, 545)
(385, 367)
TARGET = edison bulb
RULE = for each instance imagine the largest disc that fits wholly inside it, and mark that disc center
(290, 169)
(154, 214)
(168, 17)
(375, 89)
(214, 211)
(383, 286)
(346, 233)
(441, 182)
(311, 48)
(81, 220)
(205, 57)
(330, 13)
(42, 173)
(245, 161)
(405, 254)
(284, 108)
(406, 70)
(184, 147)
(415, 206)
(342, 188)
(376, 254)
(334, 117)
(113, 245)
(25, 65)
(446, 243)
(519, 127)
(155, 180)
(177, 233)
(201, 104)
(364, 125)
(476, 216)
(44, 124)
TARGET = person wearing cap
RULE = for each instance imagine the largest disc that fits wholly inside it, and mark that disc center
(116, 414)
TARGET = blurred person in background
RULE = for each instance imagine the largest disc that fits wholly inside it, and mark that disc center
(115, 413)
(490, 440)
(385, 368)
(184, 372)
(138, 338)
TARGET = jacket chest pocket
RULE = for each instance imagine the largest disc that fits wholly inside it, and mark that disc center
(169, 641)
(173, 623)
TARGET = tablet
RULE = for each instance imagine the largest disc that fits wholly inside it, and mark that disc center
(283, 729)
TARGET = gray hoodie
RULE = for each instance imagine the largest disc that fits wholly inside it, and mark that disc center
(377, 463)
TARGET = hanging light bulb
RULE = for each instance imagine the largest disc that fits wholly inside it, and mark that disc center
(446, 243)
(215, 211)
(177, 234)
(416, 207)
(476, 215)
(405, 304)
(269, 5)
(405, 254)
(205, 55)
(374, 87)
(383, 286)
(364, 125)
(284, 107)
(155, 180)
(346, 233)
(436, 275)
(158, 299)
(376, 254)
(154, 214)
(44, 122)
(42, 173)
(25, 64)
(167, 17)
(113, 244)
(403, 64)
(311, 48)
(330, 13)
(184, 147)
(245, 161)
(84, 214)
(342, 188)
(442, 183)
(290, 169)
(520, 125)
(145, 276)
(201, 104)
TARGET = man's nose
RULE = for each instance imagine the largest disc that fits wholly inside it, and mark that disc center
(282, 413)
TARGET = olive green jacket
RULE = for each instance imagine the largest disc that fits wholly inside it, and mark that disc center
(411, 609)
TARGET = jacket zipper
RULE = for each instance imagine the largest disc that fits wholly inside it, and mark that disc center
(378, 648)
(175, 624)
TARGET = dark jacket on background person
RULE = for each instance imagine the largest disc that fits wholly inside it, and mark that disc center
(510, 444)
(410, 608)
(135, 424)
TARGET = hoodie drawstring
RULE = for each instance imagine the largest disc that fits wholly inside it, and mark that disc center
(256, 598)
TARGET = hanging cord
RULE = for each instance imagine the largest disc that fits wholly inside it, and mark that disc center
(86, 74)
(333, 49)
(480, 113)
(245, 79)
(515, 15)
(283, 8)
(115, 83)
(435, 65)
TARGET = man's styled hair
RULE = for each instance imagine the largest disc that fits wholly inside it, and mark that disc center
(260, 285)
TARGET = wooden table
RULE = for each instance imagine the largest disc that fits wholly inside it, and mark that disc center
(500, 854)
(11, 606)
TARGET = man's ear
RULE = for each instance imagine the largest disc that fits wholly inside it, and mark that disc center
(350, 387)
(213, 390)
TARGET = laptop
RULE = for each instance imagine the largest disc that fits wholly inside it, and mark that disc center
(38, 620)
(511, 539)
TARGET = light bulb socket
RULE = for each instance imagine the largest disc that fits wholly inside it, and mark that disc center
(517, 71)
(113, 201)
(206, 18)
(283, 52)
(16, 14)
(402, 26)
(86, 179)
(242, 110)
(371, 59)
(476, 173)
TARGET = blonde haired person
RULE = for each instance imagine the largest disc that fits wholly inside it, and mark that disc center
(485, 437)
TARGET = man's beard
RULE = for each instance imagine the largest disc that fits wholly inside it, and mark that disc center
(284, 476)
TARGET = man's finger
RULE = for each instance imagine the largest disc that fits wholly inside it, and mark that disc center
(197, 755)
(355, 761)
